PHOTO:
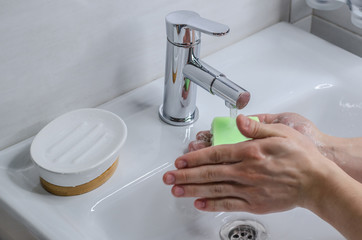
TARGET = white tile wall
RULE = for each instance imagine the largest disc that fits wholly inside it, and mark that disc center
(299, 10)
(305, 23)
(338, 36)
(336, 27)
(56, 56)
(301, 14)
(340, 17)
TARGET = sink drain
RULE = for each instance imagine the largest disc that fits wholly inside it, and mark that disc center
(243, 230)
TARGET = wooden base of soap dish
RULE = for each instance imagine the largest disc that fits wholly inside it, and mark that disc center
(80, 189)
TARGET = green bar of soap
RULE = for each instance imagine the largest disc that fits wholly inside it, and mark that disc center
(225, 131)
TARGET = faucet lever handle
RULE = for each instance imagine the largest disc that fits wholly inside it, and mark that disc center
(179, 23)
(207, 26)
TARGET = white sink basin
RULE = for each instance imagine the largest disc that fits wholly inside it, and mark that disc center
(284, 68)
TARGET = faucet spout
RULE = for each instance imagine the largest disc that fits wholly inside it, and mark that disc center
(216, 83)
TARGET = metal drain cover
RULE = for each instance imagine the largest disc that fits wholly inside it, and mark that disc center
(243, 230)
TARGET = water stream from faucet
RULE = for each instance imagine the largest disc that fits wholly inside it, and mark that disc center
(233, 113)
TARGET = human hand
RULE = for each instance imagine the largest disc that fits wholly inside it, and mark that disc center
(345, 152)
(297, 122)
(278, 170)
(293, 120)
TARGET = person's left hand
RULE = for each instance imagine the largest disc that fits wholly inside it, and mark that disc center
(278, 170)
(293, 120)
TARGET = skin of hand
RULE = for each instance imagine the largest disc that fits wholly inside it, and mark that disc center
(304, 126)
(279, 170)
(273, 172)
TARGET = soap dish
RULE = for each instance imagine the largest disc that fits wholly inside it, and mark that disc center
(78, 151)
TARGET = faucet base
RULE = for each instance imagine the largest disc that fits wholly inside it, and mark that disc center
(178, 121)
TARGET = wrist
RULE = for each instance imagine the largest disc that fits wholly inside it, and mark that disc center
(317, 187)
(338, 200)
(346, 153)
(329, 147)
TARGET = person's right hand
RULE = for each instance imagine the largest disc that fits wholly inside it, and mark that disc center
(276, 171)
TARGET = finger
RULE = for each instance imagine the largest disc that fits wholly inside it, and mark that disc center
(204, 136)
(285, 118)
(268, 118)
(213, 190)
(254, 129)
(203, 174)
(210, 156)
(198, 144)
(222, 204)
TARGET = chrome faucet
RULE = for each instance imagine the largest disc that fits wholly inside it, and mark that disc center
(184, 70)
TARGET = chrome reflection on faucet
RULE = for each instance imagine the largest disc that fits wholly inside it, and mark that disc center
(184, 70)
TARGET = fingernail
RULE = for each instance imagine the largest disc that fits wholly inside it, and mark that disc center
(200, 203)
(181, 164)
(169, 179)
(178, 191)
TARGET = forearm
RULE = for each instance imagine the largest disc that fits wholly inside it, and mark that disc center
(338, 201)
(346, 153)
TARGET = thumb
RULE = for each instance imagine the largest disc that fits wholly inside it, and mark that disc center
(253, 129)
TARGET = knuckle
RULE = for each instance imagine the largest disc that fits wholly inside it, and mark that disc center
(209, 175)
(227, 205)
(255, 129)
(216, 156)
(254, 152)
(217, 189)
(184, 176)
(222, 153)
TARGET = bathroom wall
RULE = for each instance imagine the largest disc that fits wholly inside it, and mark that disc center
(337, 28)
(56, 56)
(301, 15)
(334, 26)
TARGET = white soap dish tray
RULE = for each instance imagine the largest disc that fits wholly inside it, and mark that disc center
(78, 151)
